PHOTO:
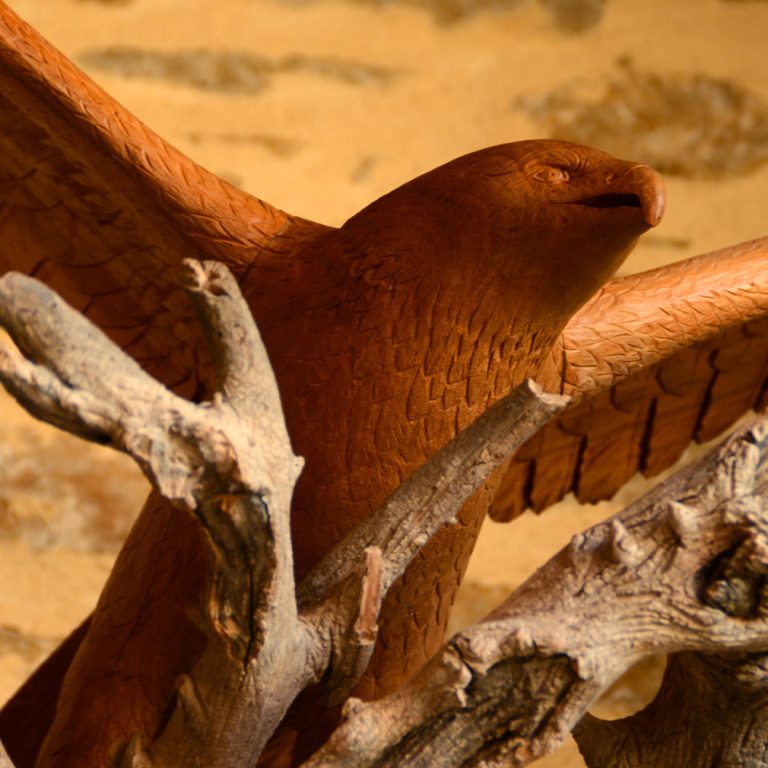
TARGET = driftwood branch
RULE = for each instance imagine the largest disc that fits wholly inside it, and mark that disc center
(392, 536)
(229, 463)
(435, 493)
(681, 570)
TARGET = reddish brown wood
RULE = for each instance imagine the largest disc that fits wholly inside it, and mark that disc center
(387, 336)
(653, 361)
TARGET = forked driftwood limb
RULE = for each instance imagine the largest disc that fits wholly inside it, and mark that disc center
(229, 463)
(681, 570)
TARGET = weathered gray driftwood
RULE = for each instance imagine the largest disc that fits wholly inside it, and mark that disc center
(681, 571)
(229, 463)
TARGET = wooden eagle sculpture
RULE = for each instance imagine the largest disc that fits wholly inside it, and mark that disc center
(387, 335)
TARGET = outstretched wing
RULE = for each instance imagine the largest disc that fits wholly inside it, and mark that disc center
(103, 210)
(653, 361)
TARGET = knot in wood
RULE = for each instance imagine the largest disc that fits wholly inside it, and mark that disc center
(734, 585)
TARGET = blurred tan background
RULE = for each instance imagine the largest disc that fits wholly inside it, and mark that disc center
(319, 106)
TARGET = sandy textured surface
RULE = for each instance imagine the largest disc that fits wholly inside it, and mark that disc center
(322, 105)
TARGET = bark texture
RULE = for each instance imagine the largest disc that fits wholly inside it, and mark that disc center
(681, 571)
(229, 463)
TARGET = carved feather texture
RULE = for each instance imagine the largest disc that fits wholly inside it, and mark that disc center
(387, 337)
(103, 210)
(654, 361)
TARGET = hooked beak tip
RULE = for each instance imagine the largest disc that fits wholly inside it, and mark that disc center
(651, 193)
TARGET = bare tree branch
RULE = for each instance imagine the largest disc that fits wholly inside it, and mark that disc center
(430, 499)
(435, 493)
(682, 569)
(229, 463)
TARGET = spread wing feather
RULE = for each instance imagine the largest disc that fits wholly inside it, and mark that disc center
(99, 207)
(653, 362)
(103, 210)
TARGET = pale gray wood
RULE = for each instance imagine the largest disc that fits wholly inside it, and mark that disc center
(229, 463)
(683, 570)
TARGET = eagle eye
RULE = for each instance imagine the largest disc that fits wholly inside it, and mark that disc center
(552, 174)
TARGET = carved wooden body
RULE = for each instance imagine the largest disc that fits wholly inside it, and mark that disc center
(387, 336)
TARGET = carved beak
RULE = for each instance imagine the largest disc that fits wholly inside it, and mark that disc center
(650, 191)
(640, 187)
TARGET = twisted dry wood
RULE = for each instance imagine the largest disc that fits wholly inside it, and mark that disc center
(229, 464)
(387, 336)
(682, 571)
